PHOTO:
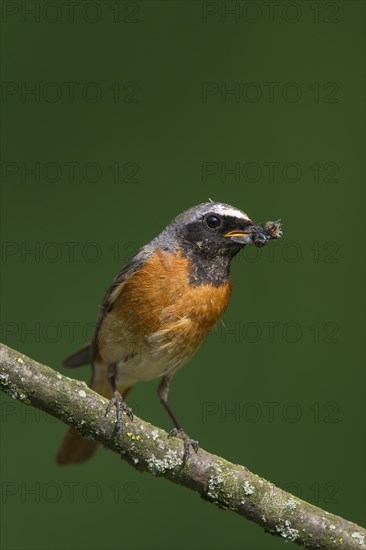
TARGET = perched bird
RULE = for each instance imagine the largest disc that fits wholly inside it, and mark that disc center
(159, 309)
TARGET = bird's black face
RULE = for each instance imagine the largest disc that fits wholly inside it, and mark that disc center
(217, 235)
(218, 230)
(210, 235)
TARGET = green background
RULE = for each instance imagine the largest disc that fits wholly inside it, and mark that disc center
(309, 288)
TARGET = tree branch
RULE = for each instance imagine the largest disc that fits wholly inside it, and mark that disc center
(149, 449)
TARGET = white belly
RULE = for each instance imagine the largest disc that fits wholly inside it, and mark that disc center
(146, 366)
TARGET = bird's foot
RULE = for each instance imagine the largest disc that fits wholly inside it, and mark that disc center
(120, 405)
(187, 443)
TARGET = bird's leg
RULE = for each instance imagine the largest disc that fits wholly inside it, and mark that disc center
(163, 391)
(117, 401)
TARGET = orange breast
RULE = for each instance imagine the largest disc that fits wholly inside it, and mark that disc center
(157, 308)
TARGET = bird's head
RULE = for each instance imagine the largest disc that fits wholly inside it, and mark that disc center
(214, 229)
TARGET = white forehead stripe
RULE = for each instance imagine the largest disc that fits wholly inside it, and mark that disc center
(227, 211)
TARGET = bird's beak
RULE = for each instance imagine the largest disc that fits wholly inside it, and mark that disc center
(249, 236)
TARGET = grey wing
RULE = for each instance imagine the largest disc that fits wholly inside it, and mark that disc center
(86, 355)
(136, 262)
(78, 358)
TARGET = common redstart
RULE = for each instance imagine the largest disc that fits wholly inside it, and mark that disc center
(159, 309)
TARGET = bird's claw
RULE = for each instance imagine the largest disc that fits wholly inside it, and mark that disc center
(187, 443)
(120, 405)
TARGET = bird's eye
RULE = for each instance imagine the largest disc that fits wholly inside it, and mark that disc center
(213, 221)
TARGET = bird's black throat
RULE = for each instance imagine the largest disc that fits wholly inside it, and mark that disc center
(214, 271)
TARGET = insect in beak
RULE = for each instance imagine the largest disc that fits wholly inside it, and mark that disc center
(256, 235)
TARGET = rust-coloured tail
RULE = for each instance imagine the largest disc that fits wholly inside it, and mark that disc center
(74, 448)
